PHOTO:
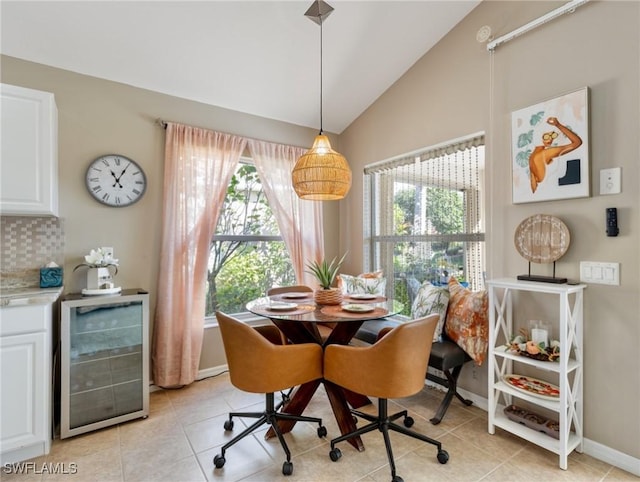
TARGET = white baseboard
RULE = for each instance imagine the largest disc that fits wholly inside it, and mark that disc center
(202, 374)
(611, 456)
(594, 449)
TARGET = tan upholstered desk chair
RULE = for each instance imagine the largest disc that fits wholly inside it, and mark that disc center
(258, 365)
(289, 289)
(393, 367)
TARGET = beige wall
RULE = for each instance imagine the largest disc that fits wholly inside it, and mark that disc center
(99, 117)
(456, 90)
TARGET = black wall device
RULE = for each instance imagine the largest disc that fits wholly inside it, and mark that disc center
(612, 222)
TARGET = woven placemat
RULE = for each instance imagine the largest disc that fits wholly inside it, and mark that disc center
(266, 311)
(339, 312)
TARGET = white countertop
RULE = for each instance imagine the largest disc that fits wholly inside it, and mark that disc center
(29, 296)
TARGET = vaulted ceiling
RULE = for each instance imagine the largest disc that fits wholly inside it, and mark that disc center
(257, 57)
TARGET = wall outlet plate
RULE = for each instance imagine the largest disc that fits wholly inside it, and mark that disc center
(600, 273)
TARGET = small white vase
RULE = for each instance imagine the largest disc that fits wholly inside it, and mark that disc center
(99, 278)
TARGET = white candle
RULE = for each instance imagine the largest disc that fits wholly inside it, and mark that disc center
(539, 335)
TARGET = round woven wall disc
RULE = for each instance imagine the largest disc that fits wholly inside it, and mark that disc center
(542, 238)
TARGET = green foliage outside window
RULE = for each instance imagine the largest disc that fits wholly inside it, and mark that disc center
(247, 255)
(419, 261)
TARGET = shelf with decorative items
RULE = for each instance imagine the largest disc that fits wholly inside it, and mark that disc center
(533, 351)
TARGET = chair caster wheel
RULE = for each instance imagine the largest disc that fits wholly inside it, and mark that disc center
(287, 468)
(322, 431)
(408, 422)
(228, 425)
(397, 478)
(219, 461)
(335, 454)
(443, 456)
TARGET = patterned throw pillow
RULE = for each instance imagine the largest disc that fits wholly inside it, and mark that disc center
(431, 299)
(360, 285)
(468, 320)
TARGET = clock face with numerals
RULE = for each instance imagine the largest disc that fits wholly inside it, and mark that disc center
(115, 180)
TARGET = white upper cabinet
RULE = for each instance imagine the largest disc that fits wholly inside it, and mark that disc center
(29, 152)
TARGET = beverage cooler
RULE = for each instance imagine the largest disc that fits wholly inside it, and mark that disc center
(104, 360)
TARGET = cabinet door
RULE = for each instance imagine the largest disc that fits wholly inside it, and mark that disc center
(22, 407)
(29, 153)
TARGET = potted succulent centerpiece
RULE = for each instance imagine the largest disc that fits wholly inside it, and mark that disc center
(326, 274)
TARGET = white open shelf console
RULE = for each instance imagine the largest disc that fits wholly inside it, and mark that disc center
(566, 372)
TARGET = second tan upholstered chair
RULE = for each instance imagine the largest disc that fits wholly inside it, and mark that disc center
(258, 365)
(278, 290)
(393, 367)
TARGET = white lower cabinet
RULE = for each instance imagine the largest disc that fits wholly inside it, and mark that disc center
(565, 373)
(25, 382)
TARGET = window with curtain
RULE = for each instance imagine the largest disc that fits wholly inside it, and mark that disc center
(424, 217)
(247, 253)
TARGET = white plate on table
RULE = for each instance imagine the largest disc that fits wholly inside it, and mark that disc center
(278, 306)
(298, 295)
(355, 308)
(363, 296)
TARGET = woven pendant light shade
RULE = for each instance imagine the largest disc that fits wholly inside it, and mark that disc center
(321, 174)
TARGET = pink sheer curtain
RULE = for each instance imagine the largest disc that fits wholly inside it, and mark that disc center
(300, 222)
(198, 167)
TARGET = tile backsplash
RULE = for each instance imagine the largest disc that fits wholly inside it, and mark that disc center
(27, 244)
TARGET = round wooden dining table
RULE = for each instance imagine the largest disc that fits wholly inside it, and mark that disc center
(297, 316)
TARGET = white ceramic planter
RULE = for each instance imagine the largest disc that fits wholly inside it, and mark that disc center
(99, 278)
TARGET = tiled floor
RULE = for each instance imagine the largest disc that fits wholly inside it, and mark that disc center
(185, 428)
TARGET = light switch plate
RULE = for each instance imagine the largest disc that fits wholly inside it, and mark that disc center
(600, 273)
(108, 252)
(610, 181)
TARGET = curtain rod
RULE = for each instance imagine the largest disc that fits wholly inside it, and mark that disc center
(163, 123)
(569, 7)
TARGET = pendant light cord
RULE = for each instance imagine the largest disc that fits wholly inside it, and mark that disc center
(321, 22)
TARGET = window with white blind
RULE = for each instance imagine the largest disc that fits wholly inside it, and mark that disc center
(424, 217)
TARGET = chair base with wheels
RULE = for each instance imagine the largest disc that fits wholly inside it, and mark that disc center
(259, 362)
(269, 416)
(393, 367)
(384, 423)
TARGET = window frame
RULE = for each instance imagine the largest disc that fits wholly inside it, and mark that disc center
(210, 320)
(376, 225)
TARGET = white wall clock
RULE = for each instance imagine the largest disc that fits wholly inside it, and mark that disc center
(115, 180)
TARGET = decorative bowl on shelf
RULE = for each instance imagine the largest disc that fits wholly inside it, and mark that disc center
(533, 420)
(536, 350)
(532, 386)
